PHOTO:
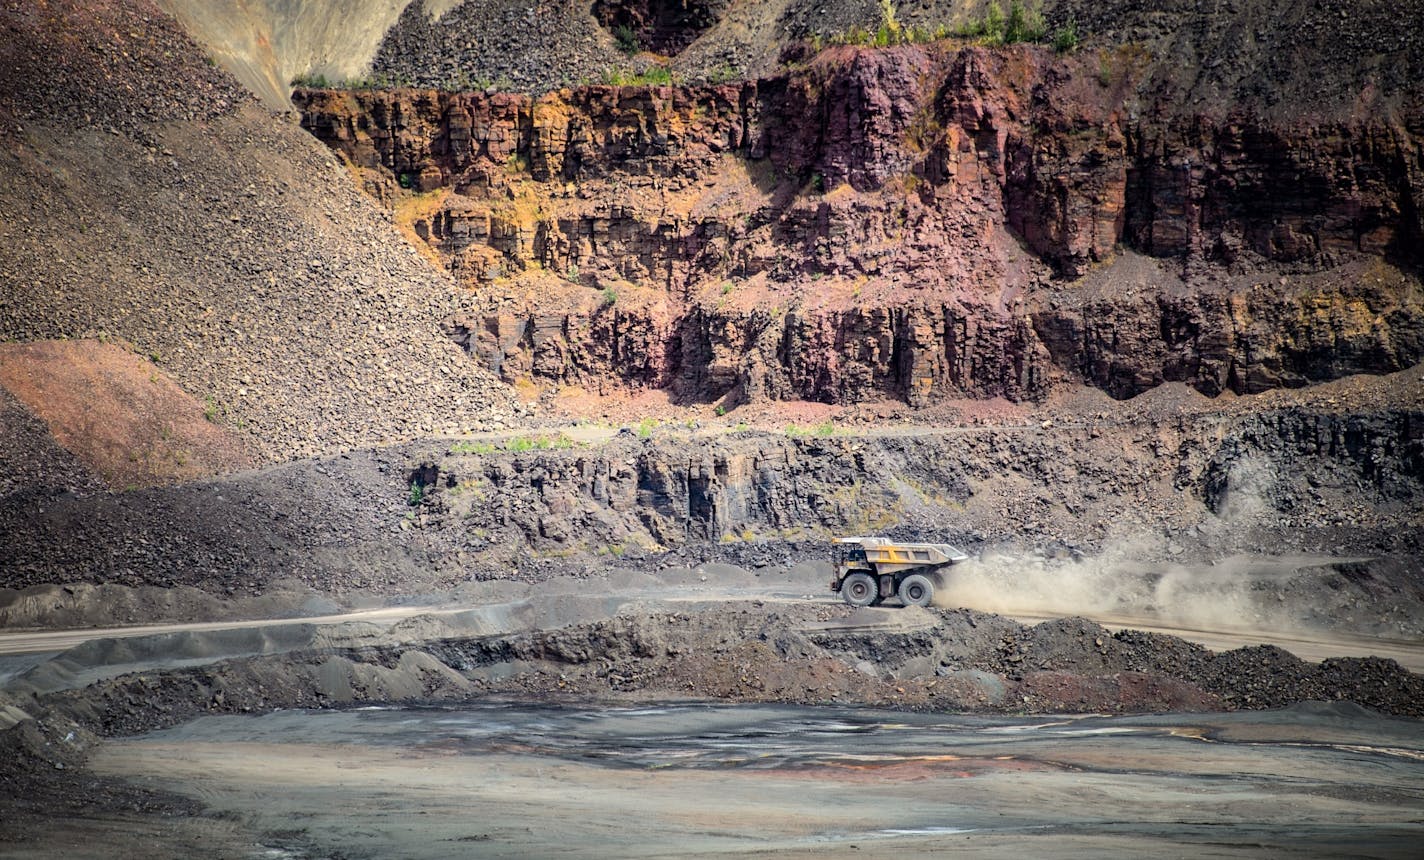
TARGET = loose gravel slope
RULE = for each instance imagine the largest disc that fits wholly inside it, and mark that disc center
(150, 199)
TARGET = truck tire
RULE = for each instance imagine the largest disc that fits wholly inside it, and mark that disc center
(916, 590)
(858, 589)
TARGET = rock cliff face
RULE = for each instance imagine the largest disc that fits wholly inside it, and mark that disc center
(1310, 469)
(1269, 331)
(1337, 470)
(914, 223)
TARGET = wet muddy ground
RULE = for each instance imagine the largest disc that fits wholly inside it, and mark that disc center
(699, 780)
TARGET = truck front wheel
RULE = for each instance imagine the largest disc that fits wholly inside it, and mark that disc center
(916, 590)
(858, 589)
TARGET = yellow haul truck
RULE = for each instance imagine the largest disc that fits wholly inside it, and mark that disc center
(870, 569)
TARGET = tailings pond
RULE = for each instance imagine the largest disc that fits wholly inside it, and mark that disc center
(684, 780)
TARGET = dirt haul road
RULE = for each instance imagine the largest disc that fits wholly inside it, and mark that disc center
(563, 603)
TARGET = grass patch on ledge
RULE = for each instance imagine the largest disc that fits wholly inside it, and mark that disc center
(1021, 23)
(516, 445)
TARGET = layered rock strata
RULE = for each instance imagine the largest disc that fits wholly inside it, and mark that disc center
(916, 223)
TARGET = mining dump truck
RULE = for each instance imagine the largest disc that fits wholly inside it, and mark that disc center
(871, 569)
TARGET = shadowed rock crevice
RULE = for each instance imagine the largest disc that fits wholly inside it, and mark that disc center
(661, 26)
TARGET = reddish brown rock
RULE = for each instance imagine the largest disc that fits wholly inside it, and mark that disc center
(913, 223)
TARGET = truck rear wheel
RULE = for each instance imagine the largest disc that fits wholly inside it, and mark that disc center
(916, 590)
(858, 589)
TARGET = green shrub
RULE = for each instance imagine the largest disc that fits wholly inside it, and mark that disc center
(724, 74)
(627, 40)
(375, 81)
(610, 297)
(311, 81)
(856, 35)
(652, 76)
(1024, 24)
(520, 444)
(483, 83)
(823, 430)
(417, 493)
(890, 31)
(372, 81)
(458, 83)
(991, 26)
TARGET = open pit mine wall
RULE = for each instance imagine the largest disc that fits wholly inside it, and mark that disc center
(983, 191)
(1355, 479)
(1297, 468)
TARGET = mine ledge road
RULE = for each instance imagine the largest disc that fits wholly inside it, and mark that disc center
(1311, 645)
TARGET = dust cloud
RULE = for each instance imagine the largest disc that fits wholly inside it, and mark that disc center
(1282, 594)
(1241, 593)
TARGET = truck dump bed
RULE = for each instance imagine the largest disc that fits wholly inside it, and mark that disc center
(890, 557)
(870, 569)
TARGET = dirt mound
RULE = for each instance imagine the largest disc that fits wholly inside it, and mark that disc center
(123, 416)
(506, 44)
(267, 43)
(745, 653)
(324, 523)
(32, 462)
(110, 65)
(221, 240)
